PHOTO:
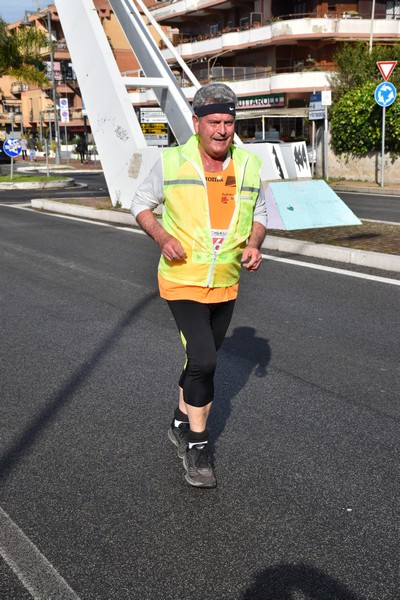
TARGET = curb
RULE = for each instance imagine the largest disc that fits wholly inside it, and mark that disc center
(59, 169)
(110, 216)
(36, 185)
(359, 189)
(375, 260)
(364, 258)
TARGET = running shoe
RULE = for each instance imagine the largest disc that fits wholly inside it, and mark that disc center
(178, 436)
(199, 470)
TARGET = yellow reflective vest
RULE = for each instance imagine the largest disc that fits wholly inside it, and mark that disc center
(186, 216)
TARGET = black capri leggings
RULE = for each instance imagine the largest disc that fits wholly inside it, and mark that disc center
(202, 328)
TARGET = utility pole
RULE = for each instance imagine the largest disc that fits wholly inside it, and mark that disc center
(371, 33)
(53, 85)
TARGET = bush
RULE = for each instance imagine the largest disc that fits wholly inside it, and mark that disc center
(356, 123)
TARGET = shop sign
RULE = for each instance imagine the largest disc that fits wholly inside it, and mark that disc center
(156, 134)
(262, 101)
(317, 110)
(152, 115)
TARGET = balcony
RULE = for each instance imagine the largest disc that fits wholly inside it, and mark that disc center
(280, 32)
(17, 88)
(9, 117)
(296, 82)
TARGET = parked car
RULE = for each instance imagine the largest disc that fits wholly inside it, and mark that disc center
(257, 141)
(312, 156)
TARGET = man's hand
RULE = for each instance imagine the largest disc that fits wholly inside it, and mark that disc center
(171, 248)
(251, 258)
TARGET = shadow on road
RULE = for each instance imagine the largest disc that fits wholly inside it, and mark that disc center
(285, 582)
(33, 430)
(254, 354)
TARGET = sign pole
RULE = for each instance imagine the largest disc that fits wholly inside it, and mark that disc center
(385, 95)
(66, 141)
(12, 148)
(326, 143)
(46, 145)
(326, 100)
(383, 147)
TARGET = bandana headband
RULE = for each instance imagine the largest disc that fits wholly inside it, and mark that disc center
(227, 108)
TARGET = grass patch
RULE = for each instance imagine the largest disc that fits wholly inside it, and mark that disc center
(374, 237)
(17, 178)
(97, 203)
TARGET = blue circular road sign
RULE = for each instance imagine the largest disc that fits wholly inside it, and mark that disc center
(12, 147)
(385, 94)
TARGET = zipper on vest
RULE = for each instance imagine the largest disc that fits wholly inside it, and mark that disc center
(214, 258)
(211, 271)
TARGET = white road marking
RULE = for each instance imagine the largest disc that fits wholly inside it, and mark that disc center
(31, 567)
(289, 261)
(384, 222)
(300, 263)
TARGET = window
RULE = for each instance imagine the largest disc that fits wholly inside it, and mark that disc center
(255, 17)
(299, 8)
(393, 9)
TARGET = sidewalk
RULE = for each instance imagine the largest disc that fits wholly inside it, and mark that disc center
(71, 165)
(366, 187)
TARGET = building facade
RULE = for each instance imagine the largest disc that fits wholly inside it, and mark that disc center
(29, 109)
(273, 53)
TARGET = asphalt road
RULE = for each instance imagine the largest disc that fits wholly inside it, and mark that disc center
(379, 207)
(93, 503)
(87, 184)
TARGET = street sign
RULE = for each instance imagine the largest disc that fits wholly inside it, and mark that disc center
(326, 98)
(152, 115)
(12, 147)
(64, 112)
(385, 94)
(316, 111)
(386, 68)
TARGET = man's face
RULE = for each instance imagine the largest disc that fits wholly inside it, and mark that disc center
(215, 132)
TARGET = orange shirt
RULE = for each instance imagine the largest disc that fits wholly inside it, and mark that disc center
(221, 190)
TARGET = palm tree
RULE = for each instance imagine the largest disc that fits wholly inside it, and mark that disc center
(20, 54)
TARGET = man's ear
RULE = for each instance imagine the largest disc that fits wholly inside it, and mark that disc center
(195, 123)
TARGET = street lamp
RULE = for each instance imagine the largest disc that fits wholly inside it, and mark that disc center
(372, 26)
(27, 23)
(53, 86)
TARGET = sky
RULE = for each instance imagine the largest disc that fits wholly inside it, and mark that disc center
(13, 10)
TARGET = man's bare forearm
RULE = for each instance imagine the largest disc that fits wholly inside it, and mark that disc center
(151, 226)
(257, 235)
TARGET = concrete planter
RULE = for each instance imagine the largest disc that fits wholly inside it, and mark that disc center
(86, 212)
(36, 185)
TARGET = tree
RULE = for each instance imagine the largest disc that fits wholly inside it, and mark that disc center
(20, 54)
(356, 119)
(356, 66)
